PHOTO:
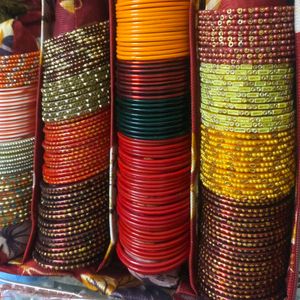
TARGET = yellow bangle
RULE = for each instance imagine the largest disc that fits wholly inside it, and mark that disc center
(244, 158)
(213, 104)
(249, 129)
(248, 196)
(251, 181)
(245, 136)
(248, 149)
(246, 67)
(252, 168)
(208, 137)
(281, 173)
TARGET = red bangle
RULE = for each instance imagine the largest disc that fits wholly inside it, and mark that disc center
(154, 200)
(154, 210)
(150, 269)
(273, 10)
(140, 186)
(157, 236)
(144, 254)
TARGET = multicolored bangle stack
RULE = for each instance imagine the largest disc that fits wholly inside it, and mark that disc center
(153, 121)
(18, 93)
(247, 151)
(73, 227)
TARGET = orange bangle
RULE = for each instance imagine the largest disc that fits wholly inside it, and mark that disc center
(149, 3)
(150, 38)
(155, 57)
(151, 44)
(151, 53)
(131, 2)
(151, 7)
(150, 48)
(141, 11)
(150, 16)
(128, 30)
(169, 22)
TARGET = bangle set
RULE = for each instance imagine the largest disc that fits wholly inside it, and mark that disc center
(247, 151)
(153, 124)
(18, 93)
(73, 213)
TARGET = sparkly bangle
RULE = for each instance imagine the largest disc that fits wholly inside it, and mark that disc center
(245, 159)
(217, 107)
(247, 69)
(62, 75)
(273, 10)
(69, 179)
(244, 88)
(67, 200)
(92, 28)
(248, 151)
(44, 224)
(254, 195)
(257, 57)
(100, 97)
(290, 134)
(71, 113)
(287, 19)
(53, 189)
(19, 58)
(248, 121)
(247, 94)
(76, 50)
(274, 35)
(206, 43)
(96, 95)
(69, 63)
(229, 203)
(69, 97)
(288, 170)
(76, 47)
(75, 229)
(258, 78)
(78, 124)
(72, 162)
(248, 129)
(65, 214)
(233, 37)
(49, 265)
(264, 140)
(247, 61)
(231, 150)
(252, 184)
(17, 84)
(243, 184)
(243, 113)
(96, 73)
(259, 52)
(248, 168)
(257, 31)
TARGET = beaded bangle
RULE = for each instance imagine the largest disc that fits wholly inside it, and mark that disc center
(94, 74)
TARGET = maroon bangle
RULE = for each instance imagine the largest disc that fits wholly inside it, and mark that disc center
(274, 10)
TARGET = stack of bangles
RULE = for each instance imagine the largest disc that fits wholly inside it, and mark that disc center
(153, 123)
(73, 228)
(18, 93)
(297, 77)
(247, 151)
